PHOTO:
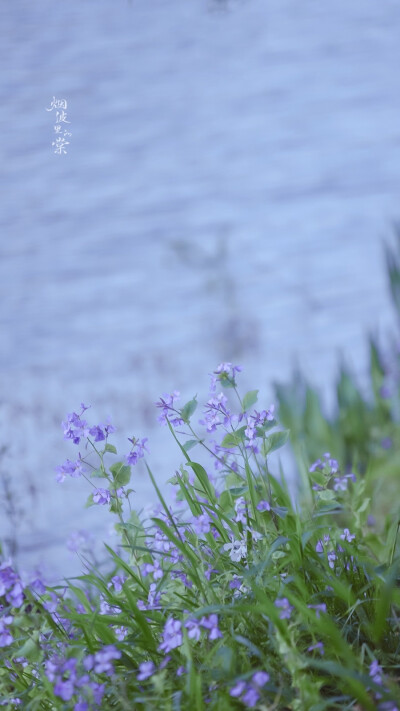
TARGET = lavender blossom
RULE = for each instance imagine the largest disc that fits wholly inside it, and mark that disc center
(340, 483)
(73, 469)
(238, 689)
(260, 678)
(75, 428)
(263, 506)
(166, 403)
(194, 629)
(172, 635)
(146, 670)
(103, 659)
(117, 582)
(347, 536)
(237, 549)
(241, 510)
(101, 496)
(137, 452)
(211, 623)
(201, 524)
(6, 637)
(250, 697)
(285, 607)
(321, 607)
(317, 647)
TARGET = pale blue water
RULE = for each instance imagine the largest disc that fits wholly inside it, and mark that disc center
(232, 173)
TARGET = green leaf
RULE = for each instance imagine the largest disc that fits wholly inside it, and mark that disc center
(253, 649)
(249, 400)
(202, 476)
(274, 441)
(280, 511)
(110, 448)
(121, 474)
(190, 444)
(188, 410)
(233, 439)
(327, 495)
(238, 490)
(89, 501)
(31, 649)
(226, 381)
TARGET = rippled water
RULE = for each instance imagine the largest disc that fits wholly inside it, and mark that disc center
(232, 173)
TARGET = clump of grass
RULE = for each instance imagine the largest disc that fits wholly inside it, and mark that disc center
(234, 597)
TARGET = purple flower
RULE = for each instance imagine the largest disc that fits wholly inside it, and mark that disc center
(216, 413)
(81, 706)
(347, 536)
(386, 443)
(97, 433)
(117, 581)
(237, 549)
(320, 544)
(137, 452)
(73, 469)
(318, 609)
(241, 510)
(331, 559)
(263, 506)
(148, 568)
(64, 689)
(329, 461)
(238, 689)
(264, 416)
(172, 635)
(318, 647)
(316, 465)
(250, 697)
(98, 691)
(75, 428)
(194, 627)
(286, 608)
(376, 673)
(201, 524)
(121, 633)
(250, 430)
(340, 483)
(211, 623)
(235, 583)
(101, 496)
(146, 670)
(166, 403)
(15, 596)
(103, 659)
(228, 369)
(6, 637)
(38, 586)
(260, 678)
(10, 585)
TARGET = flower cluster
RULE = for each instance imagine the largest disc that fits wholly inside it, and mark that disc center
(137, 451)
(238, 576)
(68, 681)
(327, 472)
(76, 428)
(249, 692)
(169, 412)
(11, 586)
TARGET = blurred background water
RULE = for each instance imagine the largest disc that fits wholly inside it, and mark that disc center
(232, 173)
